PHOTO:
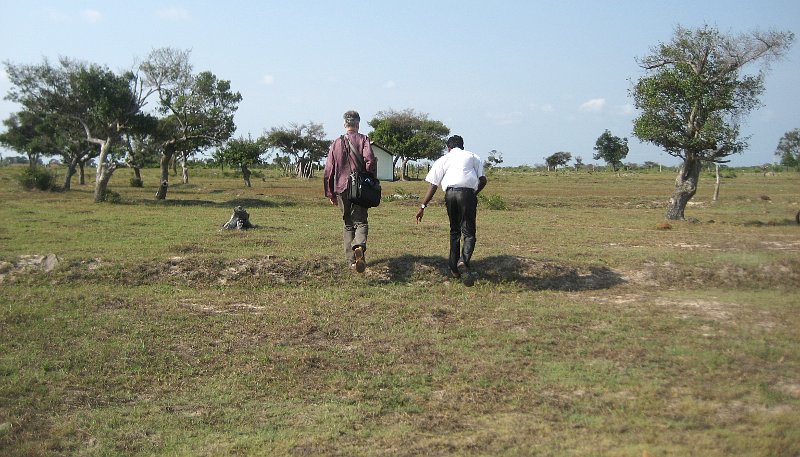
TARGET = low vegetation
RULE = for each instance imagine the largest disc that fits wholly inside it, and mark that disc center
(594, 327)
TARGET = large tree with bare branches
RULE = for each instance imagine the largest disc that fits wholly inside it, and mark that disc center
(196, 110)
(695, 95)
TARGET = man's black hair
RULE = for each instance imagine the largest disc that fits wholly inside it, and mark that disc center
(455, 141)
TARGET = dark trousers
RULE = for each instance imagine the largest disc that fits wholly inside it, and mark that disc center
(462, 207)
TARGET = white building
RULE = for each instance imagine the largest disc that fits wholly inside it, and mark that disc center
(385, 162)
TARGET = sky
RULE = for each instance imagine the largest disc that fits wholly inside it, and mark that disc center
(525, 78)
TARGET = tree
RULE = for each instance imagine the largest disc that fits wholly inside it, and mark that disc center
(24, 135)
(789, 148)
(78, 97)
(493, 160)
(612, 149)
(243, 153)
(143, 148)
(409, 135)
(560, 158)
(304, 143)
(694, 97)
(107, 107)
(196, 110)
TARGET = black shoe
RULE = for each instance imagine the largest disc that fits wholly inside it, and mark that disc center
(466, 274)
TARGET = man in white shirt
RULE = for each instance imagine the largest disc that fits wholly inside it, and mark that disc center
(460, 173)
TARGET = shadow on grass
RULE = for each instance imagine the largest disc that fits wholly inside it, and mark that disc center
(246, 203)
(529, 273)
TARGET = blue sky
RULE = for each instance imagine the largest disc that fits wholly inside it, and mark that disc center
(525, 78)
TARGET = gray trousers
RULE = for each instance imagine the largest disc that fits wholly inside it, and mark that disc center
(356, 227)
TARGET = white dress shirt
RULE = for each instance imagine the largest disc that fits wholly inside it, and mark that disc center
(457, 168)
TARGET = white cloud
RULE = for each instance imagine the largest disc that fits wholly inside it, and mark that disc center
(514, 117)
(92, 16)
(390, 84)
(268, 80)
(56, 16)
(626, 109)
(546, 108)
(594, 105)
(174, 14)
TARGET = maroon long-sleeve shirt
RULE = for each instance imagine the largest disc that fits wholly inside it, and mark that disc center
(340, 164)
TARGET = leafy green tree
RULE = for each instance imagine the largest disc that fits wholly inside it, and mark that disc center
(305, 144)
(409, 135)
(612, 149)
(24, 134)
(78, 97)
(558, 159)
(695, 95)
(789, 148)
(493, 160)
(196, 111)
(243, 153)
(143, 148)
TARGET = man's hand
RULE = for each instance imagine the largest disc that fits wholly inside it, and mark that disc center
(420, 213)
(333, 201)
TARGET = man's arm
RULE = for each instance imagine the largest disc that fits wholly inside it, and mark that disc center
(425, 201)
(481, 184)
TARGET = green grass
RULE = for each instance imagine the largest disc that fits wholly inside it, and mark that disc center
(590, 329)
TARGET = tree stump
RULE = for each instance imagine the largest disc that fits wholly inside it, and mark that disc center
(240, 220)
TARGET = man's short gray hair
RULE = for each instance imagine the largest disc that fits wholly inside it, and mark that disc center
(351, 119)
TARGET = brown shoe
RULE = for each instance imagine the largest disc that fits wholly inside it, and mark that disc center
(360, 263)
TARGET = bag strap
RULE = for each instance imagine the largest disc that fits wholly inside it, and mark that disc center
(351, 149)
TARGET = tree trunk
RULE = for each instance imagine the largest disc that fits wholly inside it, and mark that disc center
(185, 170)
(685, 188)
(716, 185)
(166, 158)
(82, 173)
(404, 170)
(304, 168)
(394, 165)
(72, 167)
(104, 172)
(246, 175)
(137, 173)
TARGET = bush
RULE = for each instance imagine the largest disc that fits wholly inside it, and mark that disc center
(493, 202)
(109, 196)
(37, 178)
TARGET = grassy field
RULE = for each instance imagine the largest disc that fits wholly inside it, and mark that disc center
(593, 328)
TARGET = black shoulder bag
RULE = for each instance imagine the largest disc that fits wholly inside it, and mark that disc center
(363, 188)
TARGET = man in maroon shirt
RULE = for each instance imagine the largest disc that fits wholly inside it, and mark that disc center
(339, 165)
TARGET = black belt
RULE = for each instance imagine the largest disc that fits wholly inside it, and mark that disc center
(458, 189)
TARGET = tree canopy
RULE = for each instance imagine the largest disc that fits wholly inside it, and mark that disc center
(788, 149)
(243, 153)
(409, 135)
(559, 159)
(303, 143)
(612, 149)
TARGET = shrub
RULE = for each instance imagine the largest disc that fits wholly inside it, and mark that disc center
(109, 196)
(493, 202)
(37, 178)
